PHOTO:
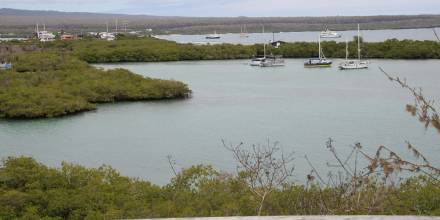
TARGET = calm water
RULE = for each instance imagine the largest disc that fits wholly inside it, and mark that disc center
(300, 108)
(368, 35)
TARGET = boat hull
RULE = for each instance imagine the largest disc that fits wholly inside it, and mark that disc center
(331, 36)
(353, 65)
(5, 66)
(257, 61)
(273, 62)
(317, 65)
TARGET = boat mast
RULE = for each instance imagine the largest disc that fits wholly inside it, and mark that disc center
(319, 45)
(346, 49)
(359, 43)
(264, 47)
(116, 24)
(107, 26)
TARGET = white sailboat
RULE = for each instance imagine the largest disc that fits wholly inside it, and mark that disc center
(213, 36)
(44, 36)
(107, 35)
(321, 61)
(354, 64)
(256, 61)
(267, 61)
(330, 34)
(243, 32)
(272, 60)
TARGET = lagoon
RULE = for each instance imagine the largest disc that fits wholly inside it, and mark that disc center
(300, 108)
(307, 36)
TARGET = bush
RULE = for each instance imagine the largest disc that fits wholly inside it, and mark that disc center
(46, 84)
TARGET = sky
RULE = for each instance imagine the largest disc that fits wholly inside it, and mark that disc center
(218, 8)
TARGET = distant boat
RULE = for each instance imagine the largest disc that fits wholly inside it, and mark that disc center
(243, 32)
(354, 64)
(213, 36)
(107, 35)
(267, 61)
(5, 66)
(273, 61)
(330, 34)
(320, 61)
(257, 61)
(44, 36)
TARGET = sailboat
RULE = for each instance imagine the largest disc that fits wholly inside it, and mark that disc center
(107, 35)
(321, 61)
(354, 64)
(44, 36)
(267, 61)
(272, 60)
(243, 32)
(330, 34)
(256, 61)
(213, 36)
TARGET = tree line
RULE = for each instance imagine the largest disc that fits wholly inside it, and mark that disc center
(154, 50)
(50, 84)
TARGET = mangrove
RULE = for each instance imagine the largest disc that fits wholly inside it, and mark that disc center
(48, 84)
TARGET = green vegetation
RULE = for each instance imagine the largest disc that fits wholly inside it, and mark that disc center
(30, 190)
(390, 49)
(154, 50)
(55, 80)
(46, 84)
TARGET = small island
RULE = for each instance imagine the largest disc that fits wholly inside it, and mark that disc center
(46, 84)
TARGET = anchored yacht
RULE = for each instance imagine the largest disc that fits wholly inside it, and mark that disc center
(213, 36)
(320, 61)
(273, 61)
(330, 34)
(257, 61)
(5, 66)
(354, 64)
(107, 35)
(267, 61)
(44, 36)
(243, 32)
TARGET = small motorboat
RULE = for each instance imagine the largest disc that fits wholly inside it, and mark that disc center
(330, 34)
(213, 36)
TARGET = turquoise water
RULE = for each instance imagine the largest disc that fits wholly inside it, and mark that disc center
(300, 108)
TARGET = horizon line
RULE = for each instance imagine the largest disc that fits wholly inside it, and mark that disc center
(237, 16)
